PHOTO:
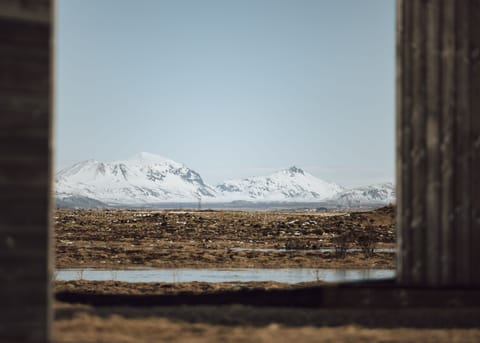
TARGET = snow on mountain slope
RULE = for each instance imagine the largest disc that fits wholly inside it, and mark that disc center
(291, 184)
(382, 193)
(147, 179)
(144, 178)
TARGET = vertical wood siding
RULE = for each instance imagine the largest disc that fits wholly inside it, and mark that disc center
(438, 142)
(25, 168)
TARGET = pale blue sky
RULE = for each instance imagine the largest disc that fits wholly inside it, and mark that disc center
(232, 88)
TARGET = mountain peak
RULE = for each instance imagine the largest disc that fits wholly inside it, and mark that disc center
(149, 157)
(143, 178)
(295, 170)
(292, 184)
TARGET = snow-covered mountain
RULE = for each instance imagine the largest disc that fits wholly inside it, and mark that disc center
(148, 179)
(291, 184)
(143, 179)
(383, 193)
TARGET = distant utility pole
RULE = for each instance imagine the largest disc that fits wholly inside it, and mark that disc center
(199, 203)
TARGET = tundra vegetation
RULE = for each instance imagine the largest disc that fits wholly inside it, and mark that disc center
(214, 239)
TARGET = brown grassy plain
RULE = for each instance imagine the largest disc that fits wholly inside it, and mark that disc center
(211, 239)
(208, 239)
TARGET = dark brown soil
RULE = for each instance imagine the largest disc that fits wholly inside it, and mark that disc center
(208, 239)
(236, 323)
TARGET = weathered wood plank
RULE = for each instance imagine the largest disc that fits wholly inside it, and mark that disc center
(31, 36)
(438, 143)
(447, 143)
(399, 93)
(25, 169)
(27, 146)
(28, 10)
(418, 149)
(21, 331)
(462, 147)
(474, 93)
(434, 104)
(404, 126)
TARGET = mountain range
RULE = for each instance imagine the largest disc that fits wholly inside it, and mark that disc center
(146, 179)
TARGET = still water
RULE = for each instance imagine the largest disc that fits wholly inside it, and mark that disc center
(287, 275)
(319, 250)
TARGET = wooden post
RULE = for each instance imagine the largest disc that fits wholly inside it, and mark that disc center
(25, 168)
(438, 142)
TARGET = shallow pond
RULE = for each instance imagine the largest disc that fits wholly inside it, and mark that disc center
(319, 250)
(286, 275)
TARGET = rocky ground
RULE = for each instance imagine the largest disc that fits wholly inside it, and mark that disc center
(208, 239)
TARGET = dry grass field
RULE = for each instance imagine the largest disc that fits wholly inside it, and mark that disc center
(208, 239)
(211, 239)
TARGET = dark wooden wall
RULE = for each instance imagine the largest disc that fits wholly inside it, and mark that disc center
(25, 168)
(438, 142)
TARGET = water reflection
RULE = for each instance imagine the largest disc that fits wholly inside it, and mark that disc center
(287, 275)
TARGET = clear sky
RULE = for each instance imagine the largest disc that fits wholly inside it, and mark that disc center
(231, 88)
